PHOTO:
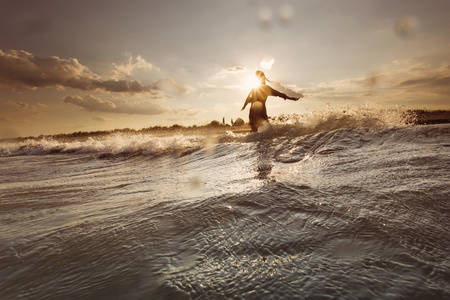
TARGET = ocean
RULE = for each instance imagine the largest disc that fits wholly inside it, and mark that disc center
(327, 205)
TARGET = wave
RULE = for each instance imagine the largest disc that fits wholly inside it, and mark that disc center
(182, 143)
(110, 145)
(351, 139)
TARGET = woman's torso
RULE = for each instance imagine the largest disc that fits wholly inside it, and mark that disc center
(261, 93)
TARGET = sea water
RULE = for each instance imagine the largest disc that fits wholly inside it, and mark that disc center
(322, 206)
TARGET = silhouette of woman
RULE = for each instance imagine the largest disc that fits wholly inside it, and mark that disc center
(257, 97)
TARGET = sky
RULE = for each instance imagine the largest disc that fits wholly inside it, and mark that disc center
(68, 66)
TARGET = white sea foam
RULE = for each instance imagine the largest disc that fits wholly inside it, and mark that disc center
(331, 119)
(113, 144)
(134, 143)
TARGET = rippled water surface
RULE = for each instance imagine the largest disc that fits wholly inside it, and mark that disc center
(350, 213)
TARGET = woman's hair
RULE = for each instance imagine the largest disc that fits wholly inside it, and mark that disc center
(261, 76)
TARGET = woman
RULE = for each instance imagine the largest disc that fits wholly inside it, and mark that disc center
(257, 97)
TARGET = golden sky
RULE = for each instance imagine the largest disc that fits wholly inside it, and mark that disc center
(70, 66)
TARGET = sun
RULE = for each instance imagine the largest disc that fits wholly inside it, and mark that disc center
(252, 82)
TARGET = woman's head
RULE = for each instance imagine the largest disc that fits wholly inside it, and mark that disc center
(261, 77)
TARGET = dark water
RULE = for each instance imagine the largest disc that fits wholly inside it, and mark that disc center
(352, 212)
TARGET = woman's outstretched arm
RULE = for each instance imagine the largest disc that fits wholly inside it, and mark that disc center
(283, 95)
(247, 101)
(292, 98)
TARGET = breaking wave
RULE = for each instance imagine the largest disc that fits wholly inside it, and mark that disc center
(151, 144)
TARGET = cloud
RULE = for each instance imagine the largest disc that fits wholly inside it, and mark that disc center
(232, 87)
(267, 63)
(91, 103)
(230, 70)
(20, 69)
(322, 87)
(435, 83)
(22, 105)
(100, 119)
(206, 85)
(185, 112)
(125, 70)
(404, 82)
(119, 106)
(236, 69)
(418, 84)
(170, 85)
(425, 79)
(5, 119)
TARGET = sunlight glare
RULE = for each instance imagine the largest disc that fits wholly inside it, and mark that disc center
(252, 82)
(267, 63)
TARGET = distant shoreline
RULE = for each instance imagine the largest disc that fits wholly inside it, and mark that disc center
(429, 117)
(416, 117)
